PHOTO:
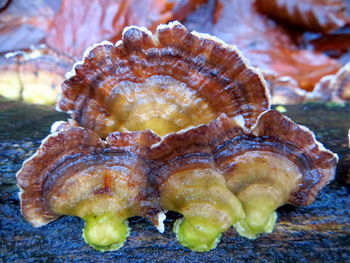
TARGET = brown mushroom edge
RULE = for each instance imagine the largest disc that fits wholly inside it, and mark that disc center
(216, 175)
(165, 82)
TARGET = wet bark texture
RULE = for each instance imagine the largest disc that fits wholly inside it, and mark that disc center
(318, 233)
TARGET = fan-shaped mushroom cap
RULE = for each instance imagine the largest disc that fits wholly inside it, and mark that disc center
(75, 173)
(316, 163)
(189, 183)
(278, 162)
(274, 163)
(166, 82)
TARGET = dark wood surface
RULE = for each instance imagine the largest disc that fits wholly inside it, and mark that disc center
(318, 233)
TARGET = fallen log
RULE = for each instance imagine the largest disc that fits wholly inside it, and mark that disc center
(319, 232)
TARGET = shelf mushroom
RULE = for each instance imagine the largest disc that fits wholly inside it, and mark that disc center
(165, 82)
(75, 173)
(189, 183)
(276, 163)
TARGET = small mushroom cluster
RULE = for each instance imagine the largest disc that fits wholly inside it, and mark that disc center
(172, 121)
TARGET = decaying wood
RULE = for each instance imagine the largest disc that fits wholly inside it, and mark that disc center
(318, 233)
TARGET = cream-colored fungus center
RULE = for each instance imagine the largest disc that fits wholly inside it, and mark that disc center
(262, 181)
(208, 206)
(262, 167)
(104, 199)
(161, 104)
(95, 191)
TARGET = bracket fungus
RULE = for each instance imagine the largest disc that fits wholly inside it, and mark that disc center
(274, 163)
(224, 157)
(75, 173)
(166, 82)
(189, 183)
(277, 162)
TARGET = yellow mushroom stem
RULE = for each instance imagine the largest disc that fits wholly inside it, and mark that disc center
(208, 207)
(259, 203)
(105, 232)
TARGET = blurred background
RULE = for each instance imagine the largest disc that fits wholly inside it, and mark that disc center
(300, 46)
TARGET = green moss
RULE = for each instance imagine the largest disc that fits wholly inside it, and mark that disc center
(329, 105)
(280, 108)
(105, 232)
(332, 105)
